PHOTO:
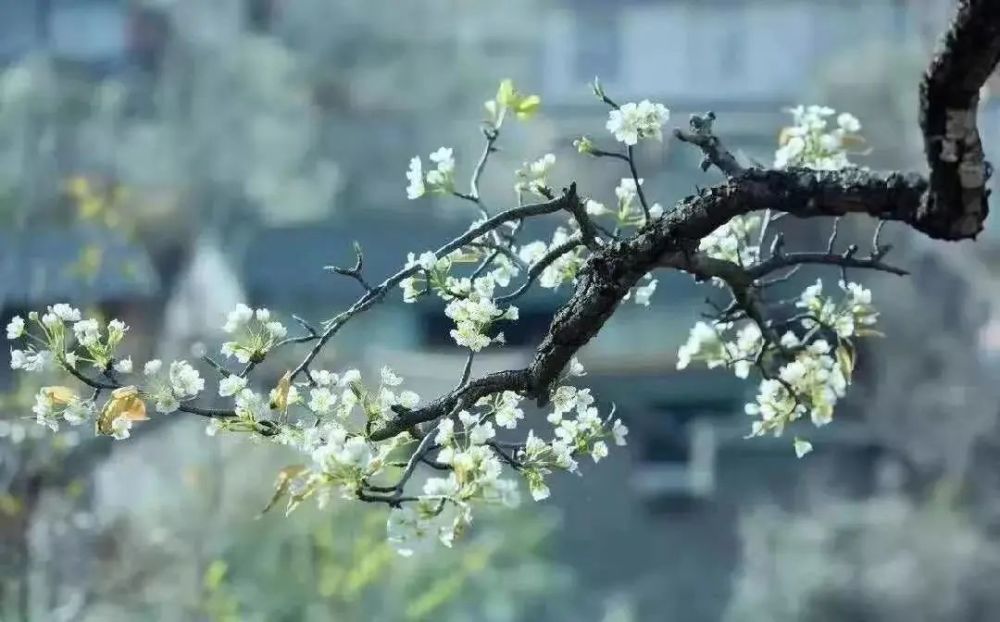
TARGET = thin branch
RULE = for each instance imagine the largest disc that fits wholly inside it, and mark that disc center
(379, 292)
(630, 158)
(845, 260)
(354, 272)
(539, 267)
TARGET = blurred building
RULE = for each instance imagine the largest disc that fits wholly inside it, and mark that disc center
(663, 515)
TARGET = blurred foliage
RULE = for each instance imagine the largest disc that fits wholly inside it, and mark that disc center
(883, 558)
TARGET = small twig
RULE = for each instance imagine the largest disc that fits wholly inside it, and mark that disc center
(467, 371)
(225, 373)
(509, 459)
(833, 235)
(714, 152)
(843, 260)
(600, 153)
(638, 187)
(354, 272)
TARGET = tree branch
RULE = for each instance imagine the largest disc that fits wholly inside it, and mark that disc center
(956, 203)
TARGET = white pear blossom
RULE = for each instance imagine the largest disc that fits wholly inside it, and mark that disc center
(238, 318)
(810, 143)
(123, 366)
(481, 433)
(65, 312)
(643, 293)
(30, 360)
(415, 175)
(322, 400)
(598, 451)
(445, 432)
(802, 447)
(595, 208)
(15, 328)
(78, 411)
(231, 385)
(438, 180)
(703, 343)
(44, 412)
(116, 331)
(87, 332)
(390, 378)
(633, 122)
(619, 431)
(121, 427)
(254, 331)
(408, 399)
(185, 380)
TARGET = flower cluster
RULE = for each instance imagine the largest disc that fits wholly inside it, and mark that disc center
(809, 142)
(810, 374)
(470, 301)
(439, 180)
(643, 294)
(732, 241)
(55, 404)
(563, 269)
(180, 383)
(468, 444)
(629, 212)
(474, 314)
(852, 317)
(722, 345)
(62, 334)
(533, 177)
(633, 122)
(577, 430)
(254, 332)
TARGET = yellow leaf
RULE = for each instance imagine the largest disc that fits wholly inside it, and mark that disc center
(528, 106)
(59, 396)
(282, 484)
(853, 140)
(124, 402)
(784, 135)
(280, 400)
(78, 186)
(90, 207)
(10, 505)
(845, 357)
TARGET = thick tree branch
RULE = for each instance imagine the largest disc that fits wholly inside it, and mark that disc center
(956, 204)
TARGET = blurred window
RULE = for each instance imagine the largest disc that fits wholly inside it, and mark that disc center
(598, 43)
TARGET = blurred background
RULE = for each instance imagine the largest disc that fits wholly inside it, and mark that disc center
(163, 160)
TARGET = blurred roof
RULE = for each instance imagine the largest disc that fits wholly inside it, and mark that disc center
(79, 265)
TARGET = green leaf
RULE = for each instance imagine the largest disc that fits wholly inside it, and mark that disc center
(215, 574)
